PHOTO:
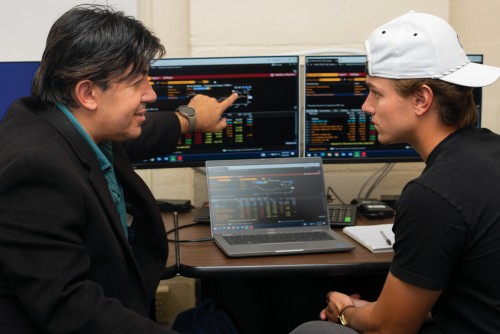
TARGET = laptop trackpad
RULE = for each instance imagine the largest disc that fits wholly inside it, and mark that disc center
(294, 247)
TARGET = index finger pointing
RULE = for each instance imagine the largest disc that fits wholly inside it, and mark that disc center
(229, 100)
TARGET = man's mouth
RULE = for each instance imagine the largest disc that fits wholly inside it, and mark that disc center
(141, 115)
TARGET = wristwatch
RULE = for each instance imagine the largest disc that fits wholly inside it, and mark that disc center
(341, 317)
(190, 114)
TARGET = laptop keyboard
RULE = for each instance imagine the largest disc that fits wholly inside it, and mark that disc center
(277, 238)
(341, 215)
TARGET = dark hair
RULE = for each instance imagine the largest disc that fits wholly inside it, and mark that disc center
(456, 106)
(92, 42)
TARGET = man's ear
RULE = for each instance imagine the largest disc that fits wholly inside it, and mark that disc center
(84, 94)
(423, 99)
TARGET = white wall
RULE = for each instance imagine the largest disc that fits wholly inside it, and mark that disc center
(478, 26)
(25, 24)
(254, 27)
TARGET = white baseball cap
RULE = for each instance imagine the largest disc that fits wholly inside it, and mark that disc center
(418, 45)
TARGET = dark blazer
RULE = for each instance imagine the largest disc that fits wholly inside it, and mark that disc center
(65, 263)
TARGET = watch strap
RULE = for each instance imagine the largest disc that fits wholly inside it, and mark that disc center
(192, 124)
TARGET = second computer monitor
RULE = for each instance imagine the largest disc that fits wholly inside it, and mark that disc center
(262, 123)
(15, 81)
(335, 127)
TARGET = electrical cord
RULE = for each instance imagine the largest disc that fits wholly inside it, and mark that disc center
(379, 175)
(382, 173)
(387, 168)
(176, 229)
(331, 192)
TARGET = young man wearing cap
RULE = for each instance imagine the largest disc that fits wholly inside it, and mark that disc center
(446, 267)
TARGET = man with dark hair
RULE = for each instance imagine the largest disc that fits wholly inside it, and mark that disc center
(82, 241)
(444, 274)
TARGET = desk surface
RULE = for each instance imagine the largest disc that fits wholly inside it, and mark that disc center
(206, 260)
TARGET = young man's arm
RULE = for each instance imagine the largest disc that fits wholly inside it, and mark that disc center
(401, 308)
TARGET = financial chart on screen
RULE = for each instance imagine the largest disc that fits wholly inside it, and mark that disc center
(262, 123)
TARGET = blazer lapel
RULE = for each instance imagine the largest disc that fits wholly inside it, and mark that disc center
(97, 180)
(88, 159)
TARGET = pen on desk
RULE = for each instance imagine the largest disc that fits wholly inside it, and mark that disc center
(386, 238)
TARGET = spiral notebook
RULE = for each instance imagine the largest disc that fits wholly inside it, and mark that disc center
(279, 202)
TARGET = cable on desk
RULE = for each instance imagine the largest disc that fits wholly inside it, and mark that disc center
(177, 240)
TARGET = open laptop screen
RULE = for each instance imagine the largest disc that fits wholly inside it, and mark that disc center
(253, 194)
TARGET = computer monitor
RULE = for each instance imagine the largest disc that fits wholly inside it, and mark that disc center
(262, 123)
(335, 127)
(15, 81)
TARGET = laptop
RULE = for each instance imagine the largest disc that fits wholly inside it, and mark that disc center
(279, 202)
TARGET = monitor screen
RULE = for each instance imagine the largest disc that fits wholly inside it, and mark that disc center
(262, 123)
(335, 127)
(15, 81)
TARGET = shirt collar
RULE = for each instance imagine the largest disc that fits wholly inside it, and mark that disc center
(102, 151)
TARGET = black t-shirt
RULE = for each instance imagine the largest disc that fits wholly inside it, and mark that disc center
(447, 231)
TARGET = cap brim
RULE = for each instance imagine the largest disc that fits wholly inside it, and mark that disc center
(473, 75)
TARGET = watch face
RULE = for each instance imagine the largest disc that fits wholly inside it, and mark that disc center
(188, 111)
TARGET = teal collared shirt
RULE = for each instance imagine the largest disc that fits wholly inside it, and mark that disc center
(104, 155)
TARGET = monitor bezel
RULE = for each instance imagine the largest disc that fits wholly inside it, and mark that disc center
(35, 63)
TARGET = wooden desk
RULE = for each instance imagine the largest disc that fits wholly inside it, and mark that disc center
(206, 260)
(257, 292)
